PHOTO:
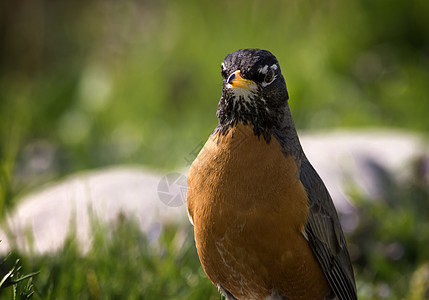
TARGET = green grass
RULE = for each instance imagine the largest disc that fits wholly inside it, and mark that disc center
(121, 263)
(390, 242)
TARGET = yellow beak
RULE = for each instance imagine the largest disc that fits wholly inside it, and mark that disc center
(237, 80)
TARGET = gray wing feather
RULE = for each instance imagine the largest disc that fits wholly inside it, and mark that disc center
(325, 235)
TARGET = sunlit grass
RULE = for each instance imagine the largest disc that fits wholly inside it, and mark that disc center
(121, 263)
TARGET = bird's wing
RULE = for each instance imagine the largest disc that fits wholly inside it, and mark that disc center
(325, 235)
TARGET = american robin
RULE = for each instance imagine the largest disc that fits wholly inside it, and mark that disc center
(265, 225)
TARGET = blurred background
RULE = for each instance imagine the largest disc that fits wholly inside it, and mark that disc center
(90, 84)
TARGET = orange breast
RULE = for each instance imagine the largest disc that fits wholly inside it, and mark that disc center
(249, 210)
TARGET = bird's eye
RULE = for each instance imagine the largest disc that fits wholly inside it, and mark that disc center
(269, 77)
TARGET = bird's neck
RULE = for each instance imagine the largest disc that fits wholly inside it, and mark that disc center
(287, 136)
(277, 122)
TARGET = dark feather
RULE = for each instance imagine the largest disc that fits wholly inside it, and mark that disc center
(325, 236)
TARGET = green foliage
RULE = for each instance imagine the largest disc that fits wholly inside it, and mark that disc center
(390, 244)
(13, 283)
(123, 263)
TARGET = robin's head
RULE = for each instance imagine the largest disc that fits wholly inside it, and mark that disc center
(254, 90)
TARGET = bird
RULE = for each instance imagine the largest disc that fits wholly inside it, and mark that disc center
(265, 225)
